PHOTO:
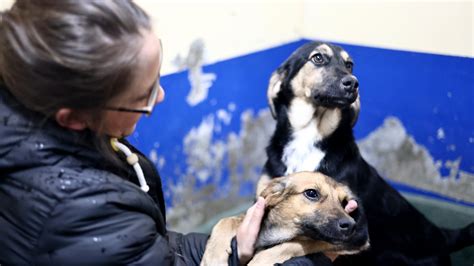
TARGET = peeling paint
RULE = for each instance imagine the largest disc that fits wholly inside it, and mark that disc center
(200, 82)
(440, 133)
(451, 147)
(217, 169)
(398, 157)
(232, 107)
(197, 147)
(240, 155)
(224, 116)
(153, 155)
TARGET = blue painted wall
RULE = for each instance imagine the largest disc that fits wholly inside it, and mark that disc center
(427, 92)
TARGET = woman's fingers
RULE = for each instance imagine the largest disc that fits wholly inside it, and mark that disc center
(249, 229)
(351, 206)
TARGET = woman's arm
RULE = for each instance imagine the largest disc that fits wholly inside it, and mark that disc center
(104, 226)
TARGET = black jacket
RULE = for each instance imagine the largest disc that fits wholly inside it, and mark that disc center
(61, 204)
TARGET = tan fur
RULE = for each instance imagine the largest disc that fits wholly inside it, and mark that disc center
(328, 121)
(308, 77)
(345, 56)
(285, 251)
(355, 106)
(325, 49)
(286, 205)
(274, 86)
(262, 183)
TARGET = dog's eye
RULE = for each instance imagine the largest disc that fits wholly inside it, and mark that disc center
(317, 58)
(349, 66)
(311, 194)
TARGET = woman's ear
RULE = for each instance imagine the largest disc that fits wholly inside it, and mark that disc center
(71, 119)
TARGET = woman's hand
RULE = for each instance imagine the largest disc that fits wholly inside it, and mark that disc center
(248, 231)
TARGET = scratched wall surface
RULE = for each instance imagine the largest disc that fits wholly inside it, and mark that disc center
(416, 127)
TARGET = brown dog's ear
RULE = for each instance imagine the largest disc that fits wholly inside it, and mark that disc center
(275, 191)
(345, 193)
(274, 87)
(355, 108)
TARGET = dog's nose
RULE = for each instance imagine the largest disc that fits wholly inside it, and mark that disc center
(349, 83)
(346, 226)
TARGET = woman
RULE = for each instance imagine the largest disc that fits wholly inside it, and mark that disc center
(75, 78)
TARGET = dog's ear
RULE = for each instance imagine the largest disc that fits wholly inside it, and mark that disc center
(274, 86)
(355, 109)
(275, 191)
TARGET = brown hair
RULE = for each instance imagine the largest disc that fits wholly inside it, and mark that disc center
(70, 53)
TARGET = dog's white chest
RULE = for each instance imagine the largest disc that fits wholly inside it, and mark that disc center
(300, 154)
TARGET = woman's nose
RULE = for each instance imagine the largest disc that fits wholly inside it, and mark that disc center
(161, 95)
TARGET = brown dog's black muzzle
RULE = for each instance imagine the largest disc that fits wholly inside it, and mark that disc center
(345, 226)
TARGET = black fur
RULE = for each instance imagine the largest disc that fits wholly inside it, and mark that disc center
(400, 235)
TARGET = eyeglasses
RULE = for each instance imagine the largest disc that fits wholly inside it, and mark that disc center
(144, 110)
(152, 98)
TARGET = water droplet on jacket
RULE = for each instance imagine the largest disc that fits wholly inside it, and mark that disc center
(121, 237)
(63, 187)
(94, 201)
(39, 146)
(97, 239)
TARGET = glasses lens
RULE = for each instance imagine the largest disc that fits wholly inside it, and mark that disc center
(153, 96)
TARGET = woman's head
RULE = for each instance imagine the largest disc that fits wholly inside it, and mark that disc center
(123, 111)
(72, 59)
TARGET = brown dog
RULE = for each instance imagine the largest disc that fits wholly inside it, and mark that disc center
(306, 212)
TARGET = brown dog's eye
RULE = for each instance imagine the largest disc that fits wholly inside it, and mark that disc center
(311, 194)
(317, 58)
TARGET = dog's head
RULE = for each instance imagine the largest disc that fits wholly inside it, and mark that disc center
(318, 73)
(312, 205)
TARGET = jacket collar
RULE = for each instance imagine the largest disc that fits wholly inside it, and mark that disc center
(28, 139)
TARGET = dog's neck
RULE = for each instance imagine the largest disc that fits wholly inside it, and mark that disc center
(303, 114)
(309, 126)
(306, 134)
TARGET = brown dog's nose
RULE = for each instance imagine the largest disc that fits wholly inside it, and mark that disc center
(346, 225)
(349, 83)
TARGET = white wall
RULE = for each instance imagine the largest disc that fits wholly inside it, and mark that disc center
(443, 27)
(228, 28)
(231, 28)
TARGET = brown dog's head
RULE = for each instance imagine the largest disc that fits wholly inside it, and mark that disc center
(312, 205)
(317, 73)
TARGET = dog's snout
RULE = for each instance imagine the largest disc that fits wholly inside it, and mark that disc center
(349, 83)
(346, 225)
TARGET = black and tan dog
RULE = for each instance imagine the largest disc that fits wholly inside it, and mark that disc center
(305, 213)
(314, 97)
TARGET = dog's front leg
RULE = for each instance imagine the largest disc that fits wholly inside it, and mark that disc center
(218, 246)
(287, 250)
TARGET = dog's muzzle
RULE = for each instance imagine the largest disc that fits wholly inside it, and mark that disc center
(339, 93)
(349, 84)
